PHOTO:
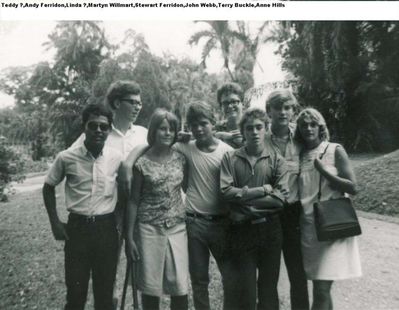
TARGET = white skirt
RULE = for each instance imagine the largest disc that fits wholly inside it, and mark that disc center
(163, 264)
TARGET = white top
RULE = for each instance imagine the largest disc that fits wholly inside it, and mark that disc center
(326, 260)
(90, 187)
(124, 143)
(202, 194)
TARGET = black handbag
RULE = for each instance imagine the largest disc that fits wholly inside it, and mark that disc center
(335, 218)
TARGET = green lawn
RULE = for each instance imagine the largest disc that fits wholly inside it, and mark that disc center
(32, 266)
(378, 184)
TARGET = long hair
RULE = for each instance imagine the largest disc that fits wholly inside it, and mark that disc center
(315, 116)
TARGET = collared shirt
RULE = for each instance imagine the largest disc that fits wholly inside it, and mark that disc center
(90, 187)
(237, 172)
(124, 143)
(291, 156)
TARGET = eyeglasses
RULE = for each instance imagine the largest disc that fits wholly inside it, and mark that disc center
(233, 102)
(132, 102)
(94, 126)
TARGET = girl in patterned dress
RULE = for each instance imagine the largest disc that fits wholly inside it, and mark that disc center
(157, 237)
(326, 261)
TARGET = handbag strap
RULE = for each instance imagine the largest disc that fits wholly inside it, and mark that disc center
(321, 157)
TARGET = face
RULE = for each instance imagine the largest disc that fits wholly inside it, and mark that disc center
(202, 129)
(164, 134)
(282, 114)
(129, 107)
(96, 130)
(232, 105)
(309, 130)
(254, 132)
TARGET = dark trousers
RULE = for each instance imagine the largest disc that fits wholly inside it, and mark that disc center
(205, 237)
(293, 257)
(91, 249)
(254, 265)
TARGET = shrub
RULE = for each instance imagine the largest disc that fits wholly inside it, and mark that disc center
(11, 166)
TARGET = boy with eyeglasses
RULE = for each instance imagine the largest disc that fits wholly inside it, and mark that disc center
(230, 97)
(91, 238)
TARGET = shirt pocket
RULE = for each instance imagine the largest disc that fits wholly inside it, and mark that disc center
(109, 186)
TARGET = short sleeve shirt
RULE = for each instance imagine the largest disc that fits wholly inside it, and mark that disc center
(90, 187)
(203, 195)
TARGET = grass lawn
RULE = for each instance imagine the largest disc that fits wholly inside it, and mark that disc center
(378, 184)
(32, 262)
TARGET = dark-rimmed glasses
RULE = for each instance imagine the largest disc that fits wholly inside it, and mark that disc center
(233, 102)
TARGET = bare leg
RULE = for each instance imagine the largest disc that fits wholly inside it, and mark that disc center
(322, 295)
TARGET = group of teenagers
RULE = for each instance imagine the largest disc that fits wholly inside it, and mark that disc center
(241, 191)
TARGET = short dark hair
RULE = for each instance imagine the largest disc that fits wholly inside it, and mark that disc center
(97, 109)
(156, 119)
(200, 109)
(229, 88)
(119, 89)
(253, 113)
(280, 96)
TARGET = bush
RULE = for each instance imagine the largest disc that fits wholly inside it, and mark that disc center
(11, 166)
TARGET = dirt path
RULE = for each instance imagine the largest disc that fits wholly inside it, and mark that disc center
(378, 288)
(31, 262)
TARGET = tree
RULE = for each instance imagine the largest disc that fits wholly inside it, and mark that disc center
(11, 166)
(218, 37)
(341, 69)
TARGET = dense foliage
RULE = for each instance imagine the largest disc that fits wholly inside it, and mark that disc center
(348, 70)
(11, 167)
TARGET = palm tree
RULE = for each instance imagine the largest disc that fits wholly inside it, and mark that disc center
(219, 36)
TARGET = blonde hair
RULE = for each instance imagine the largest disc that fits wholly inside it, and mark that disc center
(315, 116)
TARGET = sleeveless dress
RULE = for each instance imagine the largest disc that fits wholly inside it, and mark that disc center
(326, 260)
(161, 227)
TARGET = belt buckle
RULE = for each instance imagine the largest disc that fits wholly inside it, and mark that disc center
(90, 219)
(258, 221)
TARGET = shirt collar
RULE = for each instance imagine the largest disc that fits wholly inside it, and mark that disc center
(84, 151)
(117, 131)
(291, 131)
(241, 152)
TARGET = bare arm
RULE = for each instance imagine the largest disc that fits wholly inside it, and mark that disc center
(126, 174)
(345, 181)
(57, 227)
(131, 216)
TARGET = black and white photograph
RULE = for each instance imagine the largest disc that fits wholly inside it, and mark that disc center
(199, 164)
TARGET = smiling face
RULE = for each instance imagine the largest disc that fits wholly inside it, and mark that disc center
(128, 107)
(309, 130)
(281, 114)
(232, 105)
(96, 130)
(165, 134)
(254, 132)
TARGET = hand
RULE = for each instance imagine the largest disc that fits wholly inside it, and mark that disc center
(59, 231)
(131, 250)
(236, 136)
(183, 137)
(268, 189)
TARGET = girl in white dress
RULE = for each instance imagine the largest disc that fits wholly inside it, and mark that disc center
(325, 261)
